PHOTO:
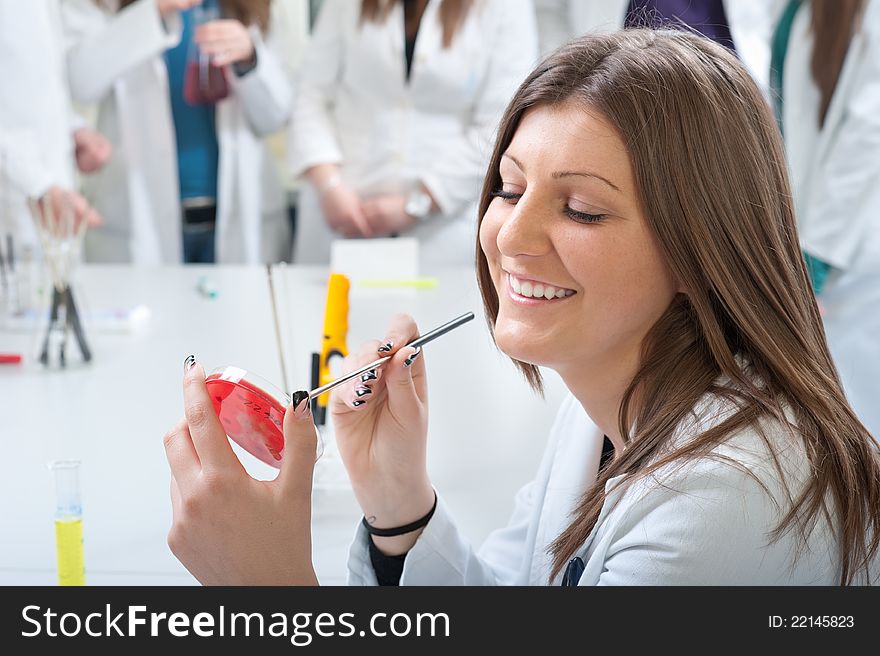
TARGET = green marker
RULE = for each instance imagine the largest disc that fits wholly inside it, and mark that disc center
(418, 283)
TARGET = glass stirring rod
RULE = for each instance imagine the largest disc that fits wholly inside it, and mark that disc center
(418, 341)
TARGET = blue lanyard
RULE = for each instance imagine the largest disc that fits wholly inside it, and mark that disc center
(779, 50)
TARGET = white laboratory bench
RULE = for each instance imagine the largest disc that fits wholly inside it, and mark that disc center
(487, 429)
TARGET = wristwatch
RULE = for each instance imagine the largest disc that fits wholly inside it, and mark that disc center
(418, 204)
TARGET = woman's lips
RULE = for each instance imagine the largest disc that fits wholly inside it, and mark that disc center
(532, 291)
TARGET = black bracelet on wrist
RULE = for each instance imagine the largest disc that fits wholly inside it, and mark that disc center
(401, 530)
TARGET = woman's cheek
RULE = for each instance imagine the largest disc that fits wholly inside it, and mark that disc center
(489, 227)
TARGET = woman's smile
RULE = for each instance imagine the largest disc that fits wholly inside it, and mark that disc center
(528, 291)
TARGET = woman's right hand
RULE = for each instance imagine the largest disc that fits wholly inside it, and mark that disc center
(381, 426)
(62, 211)
(340, 205)
(343, 212)
(168, 6)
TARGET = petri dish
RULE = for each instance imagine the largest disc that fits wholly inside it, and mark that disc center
(251, 411)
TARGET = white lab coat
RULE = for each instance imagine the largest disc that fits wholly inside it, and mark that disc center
(750, 25)
(707, 523)
(354, 107)
(116, 60)
(835, 176)
(36, 122)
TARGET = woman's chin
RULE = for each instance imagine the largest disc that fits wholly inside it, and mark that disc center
(521, 348)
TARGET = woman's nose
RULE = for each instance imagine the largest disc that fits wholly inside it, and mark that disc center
(524, 231)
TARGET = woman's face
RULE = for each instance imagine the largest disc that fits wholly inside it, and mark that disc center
(579, 276)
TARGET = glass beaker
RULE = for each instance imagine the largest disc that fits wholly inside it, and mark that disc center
(204, 83)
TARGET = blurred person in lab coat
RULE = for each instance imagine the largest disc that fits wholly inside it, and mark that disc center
(394, 116)
(825, 75)
(41, 138)
(190, 182)
(741, 25)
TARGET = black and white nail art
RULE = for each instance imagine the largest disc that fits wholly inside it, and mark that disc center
(412, 358)
(299, 397)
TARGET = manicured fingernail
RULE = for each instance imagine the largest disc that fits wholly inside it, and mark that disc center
(413, 357)
(363, 390)
(357, 402)
(301, 404)
(370, 375)
(189, 363)
(386, 347)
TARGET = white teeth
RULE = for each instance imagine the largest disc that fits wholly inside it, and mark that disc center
(537, 290)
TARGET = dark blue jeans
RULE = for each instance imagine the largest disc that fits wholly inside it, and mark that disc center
(198, 235)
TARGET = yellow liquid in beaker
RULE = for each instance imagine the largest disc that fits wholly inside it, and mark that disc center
(71, 557)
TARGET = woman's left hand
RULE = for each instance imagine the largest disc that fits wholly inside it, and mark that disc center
(93, 150)
(227, 41)
(387, 215)
(228, 528)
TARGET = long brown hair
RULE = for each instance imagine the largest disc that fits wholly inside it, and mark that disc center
(451, 15)
(833, 25)
(247, 12)
(711, 176)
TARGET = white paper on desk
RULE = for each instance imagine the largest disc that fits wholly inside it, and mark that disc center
(381, 259)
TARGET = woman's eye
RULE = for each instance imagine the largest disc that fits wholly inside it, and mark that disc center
(583, 217)
(506, 196)
(576, 215)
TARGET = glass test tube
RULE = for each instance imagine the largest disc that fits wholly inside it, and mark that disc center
(68, 523)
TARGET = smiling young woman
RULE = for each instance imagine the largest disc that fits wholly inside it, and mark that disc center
(693, 258)
(636, 236)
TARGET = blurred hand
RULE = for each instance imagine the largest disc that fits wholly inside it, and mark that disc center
(227, 42)
(93, 150)
(381, 427)
(169, 6)
(228, 528)
(387, 215)
(343, 213)
(58, 206)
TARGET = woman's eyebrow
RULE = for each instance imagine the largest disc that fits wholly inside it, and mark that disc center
(515, 161)
(585, 174)
(565, 174)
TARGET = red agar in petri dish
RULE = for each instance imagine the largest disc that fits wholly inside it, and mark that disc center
(251, 412)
